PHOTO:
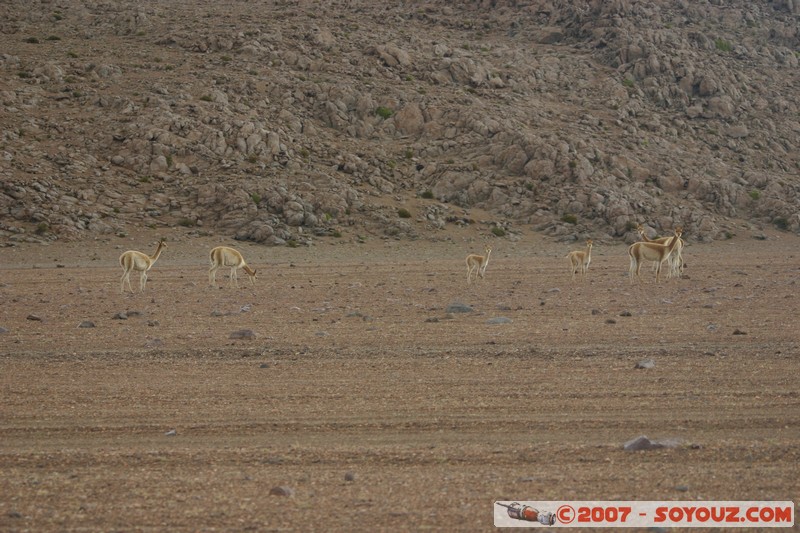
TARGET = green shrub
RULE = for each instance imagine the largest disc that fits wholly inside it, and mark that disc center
(569, 219)
(428, 195)
(781, 223)
(32, 40)
(628, 82)
(256, 198)
(384, 112)
(186, 223)
(723, 45)
(41, 228)
(205, 98)
(498, 231)
(755, 195)
(403, 213)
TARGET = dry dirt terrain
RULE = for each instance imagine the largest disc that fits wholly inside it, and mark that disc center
(373, 407)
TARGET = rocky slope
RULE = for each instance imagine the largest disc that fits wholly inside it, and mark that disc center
(288, 121)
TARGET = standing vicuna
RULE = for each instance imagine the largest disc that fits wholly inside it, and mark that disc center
(223, 256)
(140, 262)
(675, 258)
(477, 263)
(580, 259)
(652, 251)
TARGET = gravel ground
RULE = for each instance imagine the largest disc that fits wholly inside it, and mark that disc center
(355, 402)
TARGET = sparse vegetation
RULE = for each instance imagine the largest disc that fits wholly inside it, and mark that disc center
(498, 231)
(781, 223)
(427, 194)
(384, 112)
(206, 98)
(628, 82)
(569, 219)
(403, 213)
(186, 223)
(256, 198)
(755, 194)
(42, 228)
(723, 45)
(32, 40)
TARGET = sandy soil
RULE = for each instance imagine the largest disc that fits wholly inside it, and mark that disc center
(372, 405)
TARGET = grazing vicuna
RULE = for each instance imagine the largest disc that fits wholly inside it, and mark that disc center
(223, 256)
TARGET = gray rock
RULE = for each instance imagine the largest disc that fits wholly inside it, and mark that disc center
(282, 491)
(458, 307)
(646, 363)
(247, 334)
(499, 320)
(171, 433)
(86, 324)
(642, 443)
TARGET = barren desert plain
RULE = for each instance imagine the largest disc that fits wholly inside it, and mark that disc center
(339, 394)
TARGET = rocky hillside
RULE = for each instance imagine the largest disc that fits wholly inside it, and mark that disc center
(293, 120)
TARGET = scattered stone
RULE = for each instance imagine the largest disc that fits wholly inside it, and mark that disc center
(132, 314)
(554, 289)
(3, 330)
(596, 312)
(282, 491)
(503, 307)
(626, 313)
(711, 327)
(122, 315)
(152, 323)
(643, 443)
(242, 334)
(738, 331)
(171, 433)
(34, 318)
(217, 313)
(457, 307)
(611, 321)
(264, 365)
(432, 319)
(154, 343)
(349, 476)
(682, 488)
(86, 324)
(646, 363)
(499, 320)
